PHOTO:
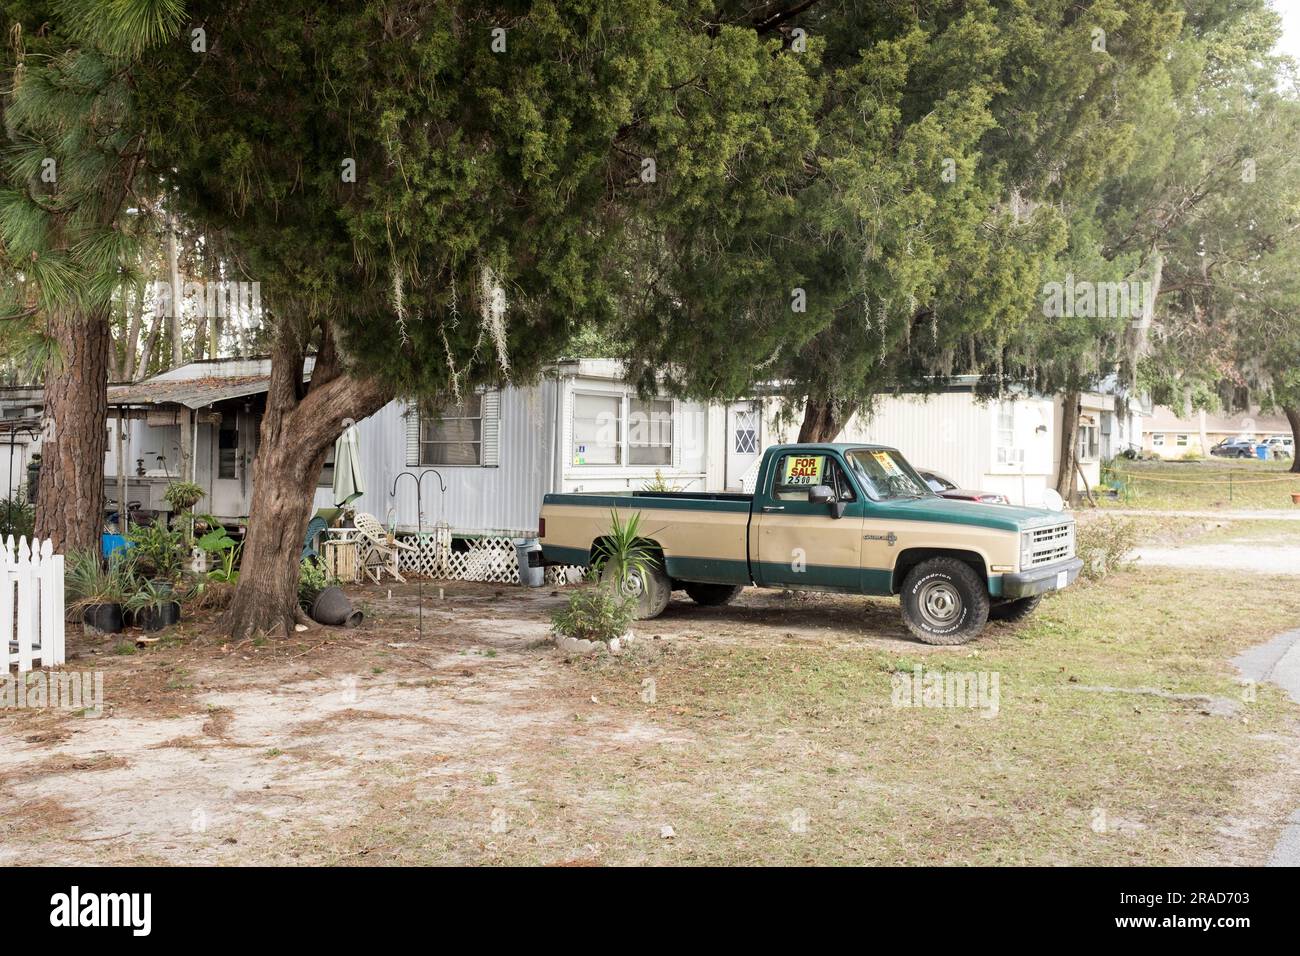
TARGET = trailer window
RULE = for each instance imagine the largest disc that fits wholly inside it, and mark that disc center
(650, 432)
(454, 437)
(597, 429)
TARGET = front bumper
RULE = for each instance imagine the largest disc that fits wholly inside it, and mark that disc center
(1041, 580)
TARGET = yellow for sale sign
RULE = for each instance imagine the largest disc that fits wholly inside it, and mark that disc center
(804, 469)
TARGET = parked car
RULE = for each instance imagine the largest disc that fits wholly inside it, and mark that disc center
(1235, 448)
(945, 487)
(1280, 446)
(851, 518)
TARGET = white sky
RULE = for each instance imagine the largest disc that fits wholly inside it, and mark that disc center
(1290, 11)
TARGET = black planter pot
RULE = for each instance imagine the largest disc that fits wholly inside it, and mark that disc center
(333, 607)
(156, 618)
(104, 618)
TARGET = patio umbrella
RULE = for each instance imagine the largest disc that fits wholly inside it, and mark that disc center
(348, 483)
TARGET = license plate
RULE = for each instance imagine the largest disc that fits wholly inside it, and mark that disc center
(1062, 578)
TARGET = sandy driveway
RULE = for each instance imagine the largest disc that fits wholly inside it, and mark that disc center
(478, 742)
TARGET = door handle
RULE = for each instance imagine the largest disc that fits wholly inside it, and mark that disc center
(773, 507)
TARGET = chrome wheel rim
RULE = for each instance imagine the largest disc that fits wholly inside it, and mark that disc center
(940, 604)
(633, 585)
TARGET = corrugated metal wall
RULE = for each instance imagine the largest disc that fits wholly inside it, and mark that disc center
(953, 433)
(502, 500)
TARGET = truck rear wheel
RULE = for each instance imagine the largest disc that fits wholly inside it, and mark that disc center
(711, 595)
(651, 588)
(1017, 610)
(944, 602)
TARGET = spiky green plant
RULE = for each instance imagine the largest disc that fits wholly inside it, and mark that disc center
(622, 552)
(88, 580)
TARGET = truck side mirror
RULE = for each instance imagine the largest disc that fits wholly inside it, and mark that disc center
(821, 495)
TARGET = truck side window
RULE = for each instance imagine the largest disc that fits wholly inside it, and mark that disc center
(839, 481)
(795, 475)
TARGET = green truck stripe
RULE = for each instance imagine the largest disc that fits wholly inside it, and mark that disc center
(725, 571)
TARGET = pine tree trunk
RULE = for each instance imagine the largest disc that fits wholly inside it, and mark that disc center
(822, 421)
(296, 434)
(1065, 478)
(1293, 416)
(70, 492)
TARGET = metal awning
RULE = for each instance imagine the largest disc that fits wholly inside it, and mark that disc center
(192, 393)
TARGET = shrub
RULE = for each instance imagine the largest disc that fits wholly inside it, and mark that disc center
(1104, 545)
(659, 483)
(157, 551)
(313, 578)
(17, 516)
(594, 613)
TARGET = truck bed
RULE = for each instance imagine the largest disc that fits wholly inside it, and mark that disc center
(704, 535)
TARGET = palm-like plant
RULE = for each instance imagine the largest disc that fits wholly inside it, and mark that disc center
(88, 581)
(622, 554)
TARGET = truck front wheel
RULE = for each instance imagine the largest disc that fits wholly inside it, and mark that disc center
(944, 602)
(711, 595)
(651, 588)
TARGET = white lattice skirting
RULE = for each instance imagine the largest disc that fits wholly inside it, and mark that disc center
(488, 559)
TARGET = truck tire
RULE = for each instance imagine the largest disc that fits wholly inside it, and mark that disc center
(1012, 611)
(652, 589)
(944, 602)
(712, 595)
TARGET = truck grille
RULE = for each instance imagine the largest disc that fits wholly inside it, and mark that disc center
(1055, 543)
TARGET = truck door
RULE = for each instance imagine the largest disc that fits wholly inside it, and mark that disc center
(797, 543)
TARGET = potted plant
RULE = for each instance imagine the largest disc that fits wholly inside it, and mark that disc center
(154, 605)
(322, 598)
(182, 496)
(157, 551)
(96, 590)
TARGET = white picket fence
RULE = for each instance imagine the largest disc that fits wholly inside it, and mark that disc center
(31, 605)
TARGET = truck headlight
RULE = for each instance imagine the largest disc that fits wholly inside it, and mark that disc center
(1026, 548)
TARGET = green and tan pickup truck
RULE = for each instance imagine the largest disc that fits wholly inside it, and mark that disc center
(837, 517)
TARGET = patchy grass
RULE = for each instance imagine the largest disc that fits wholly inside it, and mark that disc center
(1211, 484)
(764, 732)
(789, 750)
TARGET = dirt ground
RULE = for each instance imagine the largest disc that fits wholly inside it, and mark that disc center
(760, 732)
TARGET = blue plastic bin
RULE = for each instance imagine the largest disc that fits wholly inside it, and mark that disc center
(113, 543)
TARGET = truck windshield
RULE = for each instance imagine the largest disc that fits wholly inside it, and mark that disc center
(885, 475)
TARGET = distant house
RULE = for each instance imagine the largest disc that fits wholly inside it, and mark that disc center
(1009, 446)
(1171, 435)
(580, 428)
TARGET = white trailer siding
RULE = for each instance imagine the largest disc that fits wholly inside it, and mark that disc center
(503, 499)
(532, 454)
(968, 441)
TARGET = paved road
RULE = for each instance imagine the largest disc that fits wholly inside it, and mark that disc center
(1229, 556)
(1278, 662)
